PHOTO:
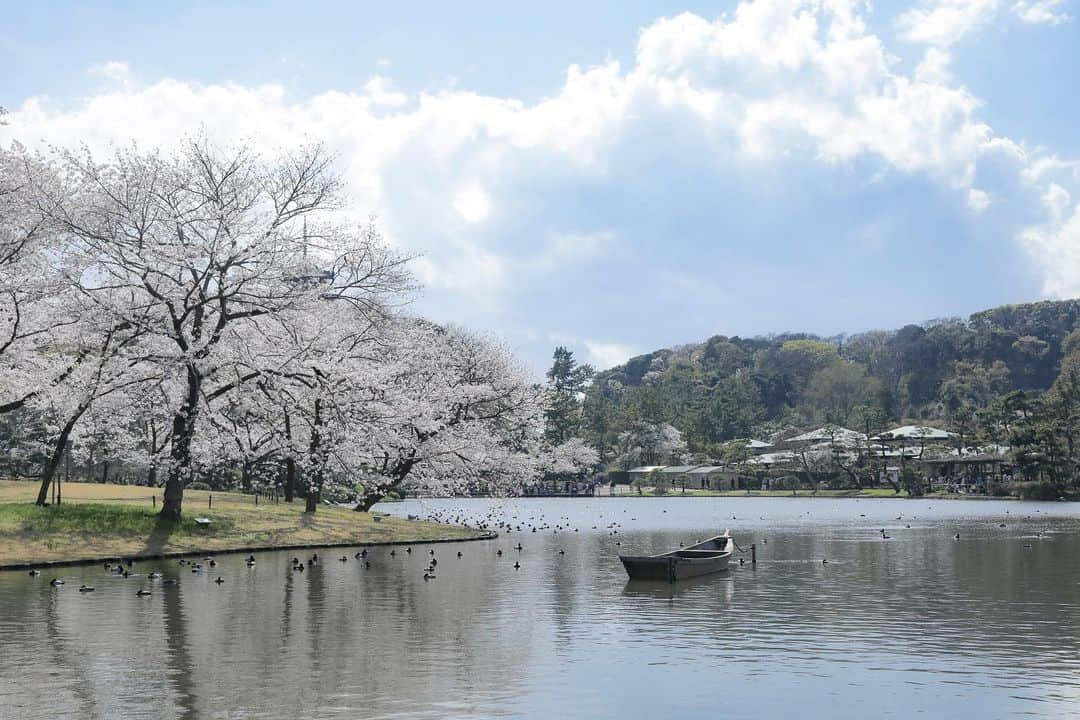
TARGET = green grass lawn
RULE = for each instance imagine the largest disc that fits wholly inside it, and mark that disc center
(109, 521)
(102, 519)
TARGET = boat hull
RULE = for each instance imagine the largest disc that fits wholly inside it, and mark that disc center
(672, 569)
(705, 558)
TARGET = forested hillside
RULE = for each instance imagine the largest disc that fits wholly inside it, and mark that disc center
(953, 372)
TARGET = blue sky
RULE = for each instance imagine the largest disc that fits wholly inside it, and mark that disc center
(622, 176)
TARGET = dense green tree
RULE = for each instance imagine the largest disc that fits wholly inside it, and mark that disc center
(836, 390)
(1004, 376)
(567, 381)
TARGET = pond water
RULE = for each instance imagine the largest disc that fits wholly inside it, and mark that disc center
(987, 626)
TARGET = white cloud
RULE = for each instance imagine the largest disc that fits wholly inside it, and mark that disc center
(944, 22)
(114, 71)
(605, 355)
(934, 67)
(1041, 12)
(1046, 165)
(574, 248)
(380, 90)
(1056, 247)
(473, 204)
(809, 72)
(978, 200)
(772, 82)
(1057, 200)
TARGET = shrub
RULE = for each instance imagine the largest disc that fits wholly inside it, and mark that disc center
(911, 483)
(661, 484)
(787, 482)
(1037, 490)
(198, 485)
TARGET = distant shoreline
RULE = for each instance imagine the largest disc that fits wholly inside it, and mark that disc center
(820, 495)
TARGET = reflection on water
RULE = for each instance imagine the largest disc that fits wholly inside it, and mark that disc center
(984, 626)
(722, 585)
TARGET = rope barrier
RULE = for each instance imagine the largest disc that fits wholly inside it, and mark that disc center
(753, 552)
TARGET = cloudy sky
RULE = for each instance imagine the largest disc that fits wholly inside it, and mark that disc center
(622, 175)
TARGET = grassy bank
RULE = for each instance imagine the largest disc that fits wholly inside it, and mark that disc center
(110, 521)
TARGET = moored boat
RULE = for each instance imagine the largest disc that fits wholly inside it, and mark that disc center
(704, 558)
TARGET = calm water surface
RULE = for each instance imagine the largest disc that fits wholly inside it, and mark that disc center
(987, 626)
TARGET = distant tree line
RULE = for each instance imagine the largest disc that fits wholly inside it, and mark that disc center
(1006, 376)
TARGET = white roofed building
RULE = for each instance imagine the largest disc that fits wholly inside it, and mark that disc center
(914, 432)
(832, 434)
(713, 477)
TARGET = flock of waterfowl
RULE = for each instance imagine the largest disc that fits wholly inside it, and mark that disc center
(124, 569)
(538, 522)
(493, 520)
(533, 523)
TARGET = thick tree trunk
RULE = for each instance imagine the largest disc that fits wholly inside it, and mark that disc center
(367, 502)
(56, 456)
(399, 474)
(105, 472)
(180, 453)
(290, 465)
(317, 458)
(151, 476)
(290, 479)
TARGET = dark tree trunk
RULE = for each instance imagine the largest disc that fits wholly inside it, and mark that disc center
(290, 465)
(367, 502)
(180, 453)
(399, 474)
(151, 476)
(57, 456)
(290, 479)
(105, 472)
(317, 457)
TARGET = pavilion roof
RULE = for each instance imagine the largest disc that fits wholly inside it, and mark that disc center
(915, 432)
(830, 433)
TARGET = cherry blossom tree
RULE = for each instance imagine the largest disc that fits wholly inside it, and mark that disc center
(647, 443)
(454, 413)
(208, 312)
(378, 403)
(192, 249)
(103, 372)
(573, 457)
(36, 308)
